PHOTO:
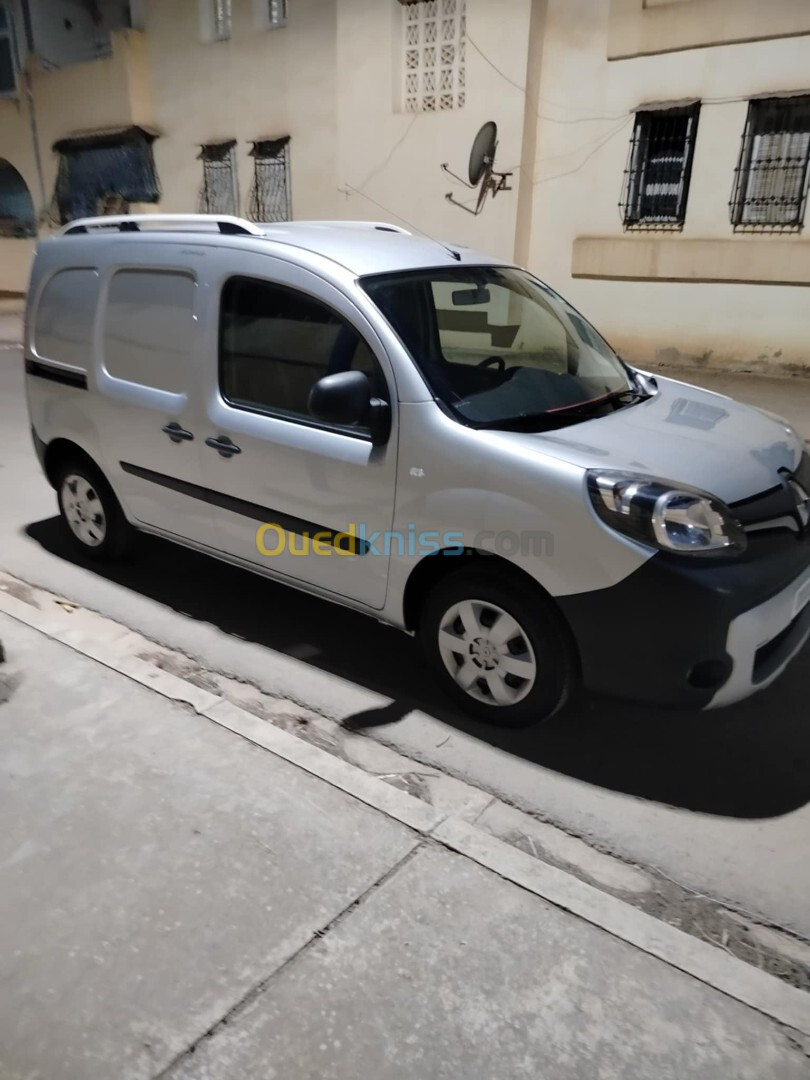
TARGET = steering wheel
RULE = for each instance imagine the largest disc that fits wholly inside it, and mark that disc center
(497, 361)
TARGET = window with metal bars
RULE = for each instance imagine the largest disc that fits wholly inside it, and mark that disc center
(659, 167)
(270, 191)
(215, 20)
(435, 41)
(771, 179)
(103, 173)
(219, 193)
(8, 57)
(276, 13)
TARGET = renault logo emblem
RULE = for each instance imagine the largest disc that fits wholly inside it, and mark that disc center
(802, 502)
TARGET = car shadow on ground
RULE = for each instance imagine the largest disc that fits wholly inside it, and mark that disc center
(751, 760)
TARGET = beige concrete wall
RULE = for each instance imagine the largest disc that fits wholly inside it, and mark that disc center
(582, 144)
(81, 97)
(646, 27)
(393, 160)
(331, 78)
(262, 83)
(16, 146)
(763, 260)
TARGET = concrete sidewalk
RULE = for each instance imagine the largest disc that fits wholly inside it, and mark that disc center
(178, 901)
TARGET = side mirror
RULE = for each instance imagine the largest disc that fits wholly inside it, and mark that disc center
(345, 399)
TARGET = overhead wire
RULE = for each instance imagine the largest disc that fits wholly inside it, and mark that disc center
(593, 146)
(349, 189)
(553, 105)
(386, 161)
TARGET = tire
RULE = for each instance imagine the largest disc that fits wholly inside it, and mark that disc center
(514, 676)
(91, 515)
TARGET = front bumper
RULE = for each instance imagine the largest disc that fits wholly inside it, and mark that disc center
(695, 634)
(762, 642)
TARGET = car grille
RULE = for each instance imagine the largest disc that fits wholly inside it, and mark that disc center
(777, 508)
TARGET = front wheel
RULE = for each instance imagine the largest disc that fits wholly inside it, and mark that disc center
(93, 518)
(502, 652)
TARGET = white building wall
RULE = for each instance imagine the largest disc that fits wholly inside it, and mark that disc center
(331, 79)
(261, 83)
(588, 103)
(390, 161)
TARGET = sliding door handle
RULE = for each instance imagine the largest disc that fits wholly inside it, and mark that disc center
(224, 445)
(177, 434)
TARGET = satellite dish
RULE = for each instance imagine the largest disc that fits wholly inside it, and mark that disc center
(481, 171)
(483, 151)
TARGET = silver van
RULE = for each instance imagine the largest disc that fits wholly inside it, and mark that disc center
(425, 434)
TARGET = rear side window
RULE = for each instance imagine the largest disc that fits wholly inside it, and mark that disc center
(276, 342)
(149, 328)
(63, 325)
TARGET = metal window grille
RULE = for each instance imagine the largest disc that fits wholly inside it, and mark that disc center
(219, 193)
(8, 57)
(270, 192)
(104, 173)
(659, 167)
(771, 179)
(221, 19)
(435, 38)
(277, 12)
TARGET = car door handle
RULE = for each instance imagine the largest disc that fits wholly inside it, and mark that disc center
(224, 445)
(176, 433)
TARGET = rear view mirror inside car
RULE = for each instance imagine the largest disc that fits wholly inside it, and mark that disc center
(468, 297)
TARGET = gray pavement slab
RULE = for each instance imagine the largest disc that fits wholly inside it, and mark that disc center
(448, 971)
(154, 868)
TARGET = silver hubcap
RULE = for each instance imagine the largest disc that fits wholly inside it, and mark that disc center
(487, 652)
(83, 510)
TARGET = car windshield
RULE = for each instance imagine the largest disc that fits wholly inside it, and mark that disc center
(500, 349)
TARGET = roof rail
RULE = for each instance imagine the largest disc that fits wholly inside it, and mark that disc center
(380, 226)
(223, 223)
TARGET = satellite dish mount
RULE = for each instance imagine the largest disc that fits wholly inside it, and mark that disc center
(482, 174)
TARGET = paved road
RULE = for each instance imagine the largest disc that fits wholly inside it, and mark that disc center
(717, 801)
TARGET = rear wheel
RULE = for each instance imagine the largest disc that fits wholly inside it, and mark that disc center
(93, 518)
(502, 653)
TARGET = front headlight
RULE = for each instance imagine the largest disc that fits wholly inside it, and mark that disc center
(665, 515)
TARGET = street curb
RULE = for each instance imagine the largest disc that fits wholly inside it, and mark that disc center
(711, 966)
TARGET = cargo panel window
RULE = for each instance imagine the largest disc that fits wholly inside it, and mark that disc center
(149, 328)
(63, 324)
(275, 343)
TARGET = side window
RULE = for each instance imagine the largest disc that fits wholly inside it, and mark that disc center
(63, 325)
(275, 343)
(149, 328)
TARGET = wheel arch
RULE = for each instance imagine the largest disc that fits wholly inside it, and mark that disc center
(60, 450)
(440, 564)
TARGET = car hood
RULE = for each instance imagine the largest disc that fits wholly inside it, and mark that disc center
(684, 434)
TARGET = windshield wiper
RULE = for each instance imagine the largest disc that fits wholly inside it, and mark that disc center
(549, 419)
(539, 421)
(586, 409)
